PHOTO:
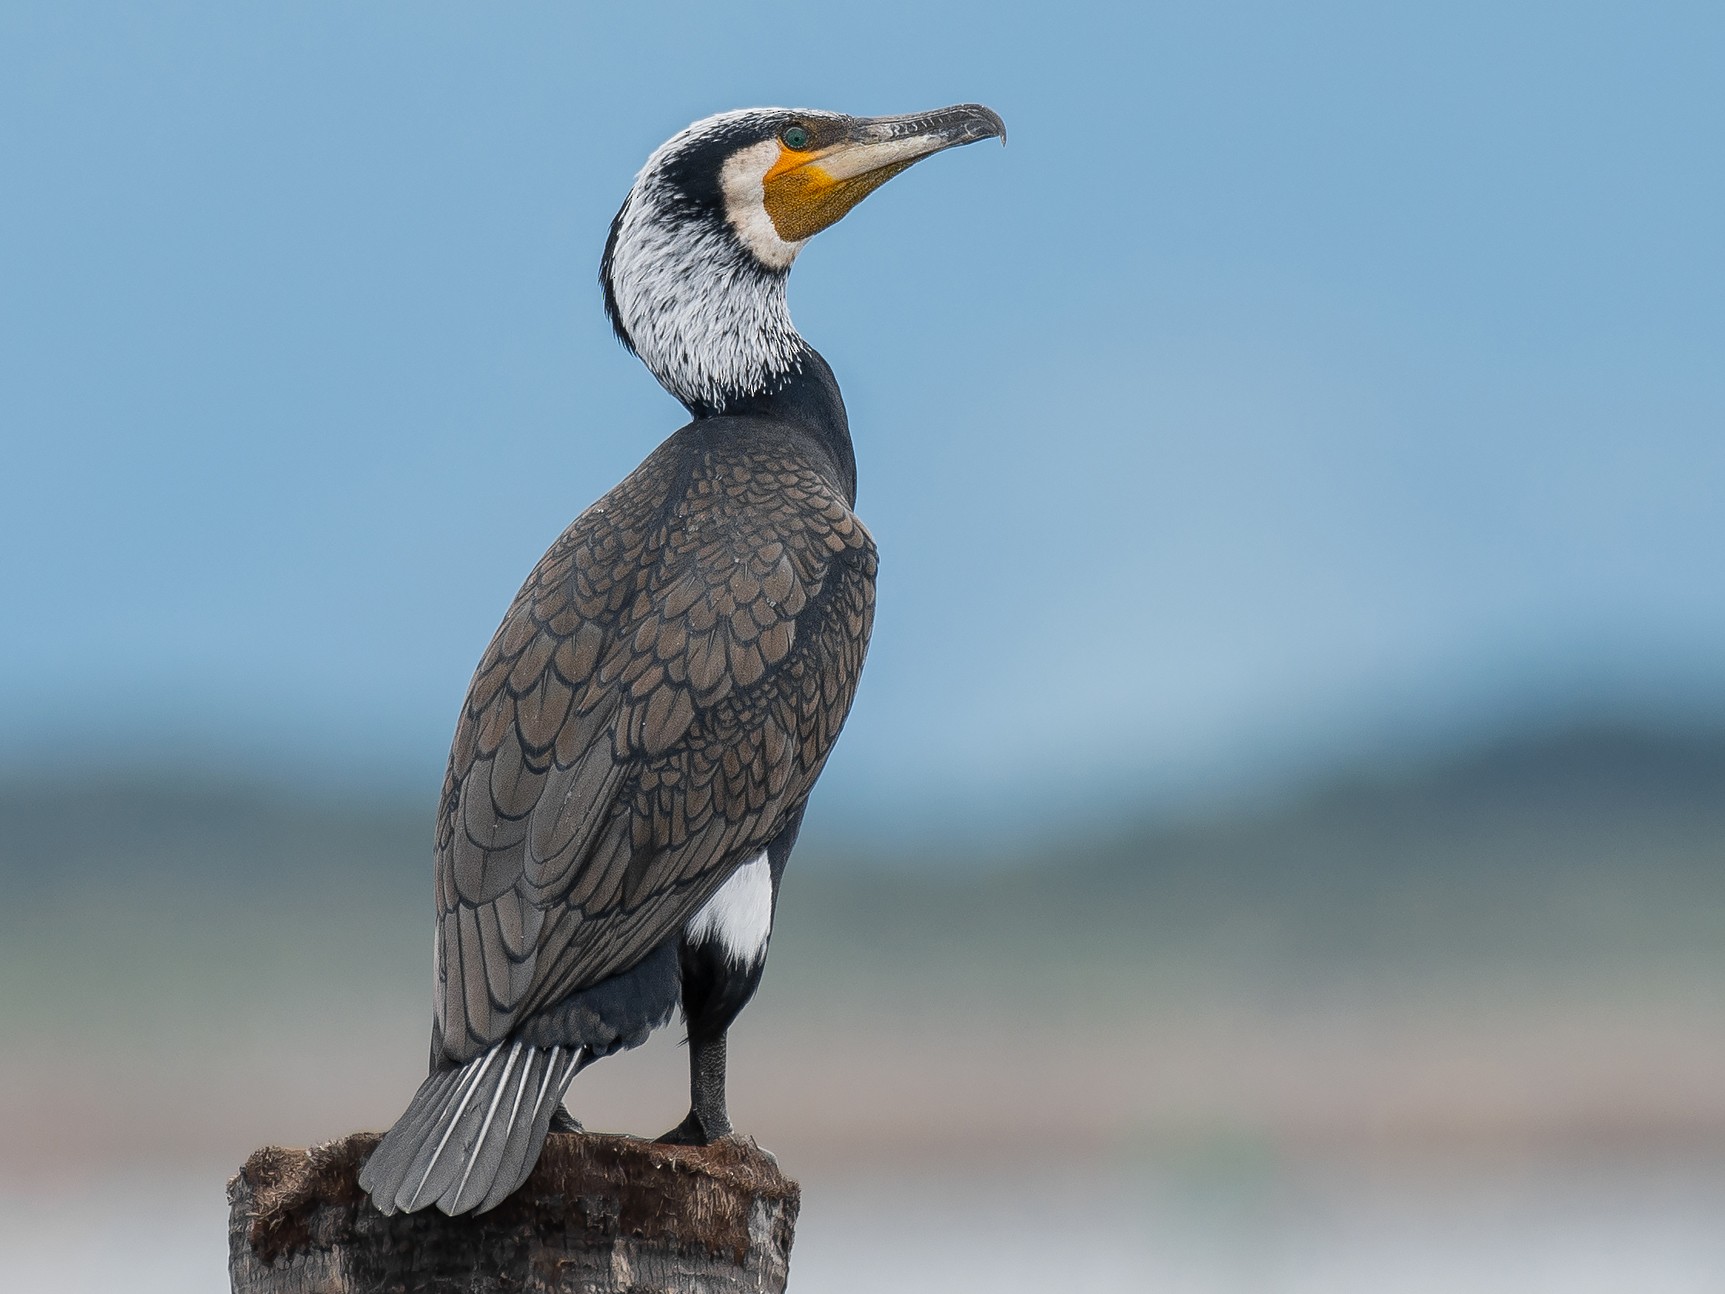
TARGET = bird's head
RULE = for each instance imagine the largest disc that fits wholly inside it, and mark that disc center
(694, 271)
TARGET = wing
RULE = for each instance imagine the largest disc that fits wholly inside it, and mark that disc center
(660, 696)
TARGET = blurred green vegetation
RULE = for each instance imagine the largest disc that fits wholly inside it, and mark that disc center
(1587, 861)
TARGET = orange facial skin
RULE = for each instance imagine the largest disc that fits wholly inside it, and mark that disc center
(802, 199)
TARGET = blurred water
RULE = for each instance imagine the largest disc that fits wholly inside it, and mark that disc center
(142, 1232)
(1212, 1226)
(1649, 1229)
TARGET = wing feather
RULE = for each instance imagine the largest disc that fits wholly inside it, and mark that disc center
(657, 702)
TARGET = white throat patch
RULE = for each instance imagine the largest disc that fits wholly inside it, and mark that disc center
(740, 916)
(743, 181)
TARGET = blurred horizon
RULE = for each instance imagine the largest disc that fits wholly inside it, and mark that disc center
(1565, 876)
(892, 833)
(1477, 999)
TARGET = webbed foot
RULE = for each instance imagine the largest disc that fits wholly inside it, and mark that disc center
(695, 1131)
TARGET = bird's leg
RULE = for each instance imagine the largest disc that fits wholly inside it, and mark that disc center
(563, 1121)
(721, 964)
(707, 1120)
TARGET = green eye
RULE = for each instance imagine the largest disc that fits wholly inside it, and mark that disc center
(796, 138)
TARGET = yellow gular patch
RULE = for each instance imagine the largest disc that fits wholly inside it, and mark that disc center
(802, 199)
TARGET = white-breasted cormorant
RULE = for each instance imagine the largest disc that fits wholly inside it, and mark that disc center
(630, 767)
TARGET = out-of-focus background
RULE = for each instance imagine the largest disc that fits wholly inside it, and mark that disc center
(1280, 842)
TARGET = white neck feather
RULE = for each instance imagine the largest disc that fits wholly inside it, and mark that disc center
(703, 300)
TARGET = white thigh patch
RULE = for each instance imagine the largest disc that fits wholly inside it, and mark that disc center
(740, 915)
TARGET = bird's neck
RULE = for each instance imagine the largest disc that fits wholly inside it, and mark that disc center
(808, 399)
(708, 320)
(711, 323)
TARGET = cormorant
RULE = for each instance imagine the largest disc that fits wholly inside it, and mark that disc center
(631, 764)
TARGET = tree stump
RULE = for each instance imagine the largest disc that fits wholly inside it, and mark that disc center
(600, 1214)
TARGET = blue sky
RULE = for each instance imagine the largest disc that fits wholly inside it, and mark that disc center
(1301, 381)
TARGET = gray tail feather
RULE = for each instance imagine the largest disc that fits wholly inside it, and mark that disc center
(472, 1134)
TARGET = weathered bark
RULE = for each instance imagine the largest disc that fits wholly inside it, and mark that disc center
(600, 1214)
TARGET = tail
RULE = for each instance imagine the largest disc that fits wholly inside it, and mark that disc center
(472, 1134)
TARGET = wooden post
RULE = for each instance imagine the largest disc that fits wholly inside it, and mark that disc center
(599, 1215)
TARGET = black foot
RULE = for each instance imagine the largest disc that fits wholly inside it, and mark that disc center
(695, 1131)
(563, 1121)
